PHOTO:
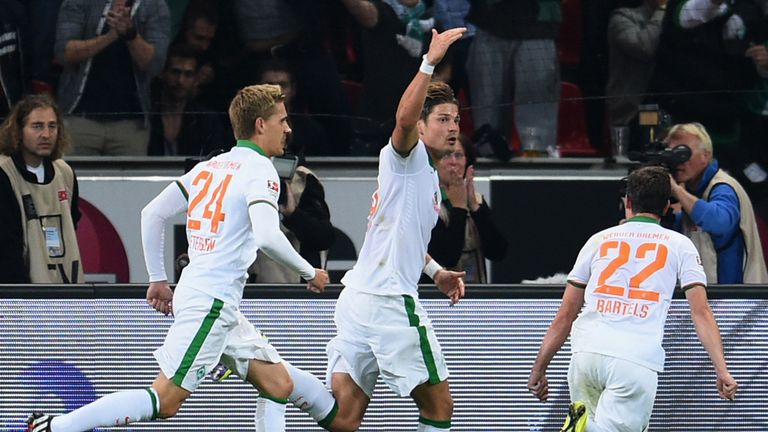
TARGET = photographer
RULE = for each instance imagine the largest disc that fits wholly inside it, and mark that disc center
(304, 219)
(716, 212)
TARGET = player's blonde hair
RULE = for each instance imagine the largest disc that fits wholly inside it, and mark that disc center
(250, 103)
(695, 129)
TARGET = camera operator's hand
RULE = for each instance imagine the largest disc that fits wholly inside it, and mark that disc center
(685, 198)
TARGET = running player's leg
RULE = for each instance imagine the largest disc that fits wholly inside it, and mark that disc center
(412, 361)
(618, 394)
(311, 396)
(250, 355)
(435, 406)
(627, 402)
(352, 388)
(274, 386)
(117, 409)
(192, 345)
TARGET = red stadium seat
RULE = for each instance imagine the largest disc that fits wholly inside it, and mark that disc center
(572, 135)
(466, 125)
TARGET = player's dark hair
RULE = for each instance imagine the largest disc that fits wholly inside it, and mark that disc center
(438, 93)
(648, 189)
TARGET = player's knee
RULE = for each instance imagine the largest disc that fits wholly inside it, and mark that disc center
(439, 407)
(279, 386)
(169, 408)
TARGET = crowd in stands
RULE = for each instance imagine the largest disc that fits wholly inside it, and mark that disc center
(155, 77)
(350, 59)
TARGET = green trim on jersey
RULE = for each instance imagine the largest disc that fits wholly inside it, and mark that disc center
(282, 401)
(577, 284)
(693, 285)
(404, 155)
(183, 190)
(263, 201)
(197, 341)
(155, 402)
(426, 350)
(326, 422)
(429, 157)
(251, 145)
(440, 424)
(645, 219)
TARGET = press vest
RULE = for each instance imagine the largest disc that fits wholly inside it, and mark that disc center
(754, 263)
(50, 244)
(265, 268)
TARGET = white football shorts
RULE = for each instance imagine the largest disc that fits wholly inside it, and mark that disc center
(389, 335)
(205, 331)
(618, 393)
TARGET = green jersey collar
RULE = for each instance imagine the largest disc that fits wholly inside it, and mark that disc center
(251, 145)
(644, 219)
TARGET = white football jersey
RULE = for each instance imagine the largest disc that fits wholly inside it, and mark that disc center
(403, 212)
(630, 272)
(221, 244)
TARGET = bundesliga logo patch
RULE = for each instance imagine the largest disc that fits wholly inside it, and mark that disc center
(273, 186)
(63, 196)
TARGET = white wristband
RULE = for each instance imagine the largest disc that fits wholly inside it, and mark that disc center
(432, 268)
(425, 67)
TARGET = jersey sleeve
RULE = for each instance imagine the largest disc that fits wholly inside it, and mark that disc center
(691, 271)
(391, 161)
(582, 269)
(263, 186)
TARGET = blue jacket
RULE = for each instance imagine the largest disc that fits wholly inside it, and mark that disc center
(719, 215)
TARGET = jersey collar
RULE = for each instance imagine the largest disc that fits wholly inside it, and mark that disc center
(251, 145)
(644, 219)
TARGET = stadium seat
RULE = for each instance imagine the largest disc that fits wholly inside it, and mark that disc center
(466, 125)
(572, 134)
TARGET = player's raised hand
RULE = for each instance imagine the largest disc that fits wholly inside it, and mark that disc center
(727, 386)
(317, 284)
(440, 43)
(160, 297)
(451, 284)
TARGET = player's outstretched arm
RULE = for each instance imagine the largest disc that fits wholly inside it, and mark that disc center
(709, 335)
(405, 135)
(573, 299)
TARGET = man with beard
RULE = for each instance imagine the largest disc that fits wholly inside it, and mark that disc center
(39, 197)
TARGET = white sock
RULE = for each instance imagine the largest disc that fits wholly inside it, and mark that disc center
(270, 415)
(427, 425)
(116, 409)
(310, 395)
